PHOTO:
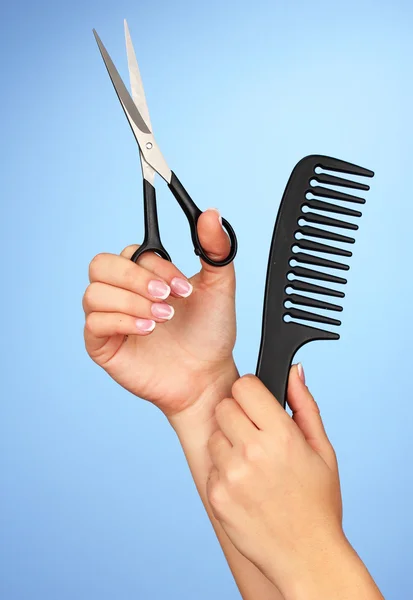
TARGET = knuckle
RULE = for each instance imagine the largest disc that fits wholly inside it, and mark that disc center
(89, 295)
(95, 264)
(91, 322)
(129, 250)
(216, 493)
(237, 473)
(254, 452)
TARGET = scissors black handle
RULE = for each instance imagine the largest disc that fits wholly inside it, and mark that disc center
(193, 213)
(152, 240)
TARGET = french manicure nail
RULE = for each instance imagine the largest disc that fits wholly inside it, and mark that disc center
(181, 287)
(145, 325)
(162, 311)
(301, 373)
(159, 289)
(219, 214)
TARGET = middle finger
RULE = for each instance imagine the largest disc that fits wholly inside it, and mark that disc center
(101, 297)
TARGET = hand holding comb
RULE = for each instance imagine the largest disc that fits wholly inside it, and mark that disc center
(301, 213)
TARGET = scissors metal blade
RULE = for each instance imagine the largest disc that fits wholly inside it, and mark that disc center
(138, 92)
(140, 129)
(138, 96)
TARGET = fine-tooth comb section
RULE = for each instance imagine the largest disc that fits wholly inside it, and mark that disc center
(290, 284)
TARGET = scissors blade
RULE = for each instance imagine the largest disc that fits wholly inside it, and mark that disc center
(138, 96)
(138, 93)
(141, 131)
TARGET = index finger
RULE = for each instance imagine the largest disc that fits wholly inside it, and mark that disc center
(152, 262)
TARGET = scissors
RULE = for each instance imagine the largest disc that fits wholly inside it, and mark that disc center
(152, 162)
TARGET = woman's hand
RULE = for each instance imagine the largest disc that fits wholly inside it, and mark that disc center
(275, 489)
(163, 337)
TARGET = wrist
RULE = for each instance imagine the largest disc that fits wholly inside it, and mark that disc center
(333, 570)
(201, 412)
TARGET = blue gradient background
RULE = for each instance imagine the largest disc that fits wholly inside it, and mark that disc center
(96, 500)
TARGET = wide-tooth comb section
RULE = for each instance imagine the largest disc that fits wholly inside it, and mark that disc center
(333, 208)
(335, 195)
(324, 233)
(317, 247)
(311, 288)
(296, 313)
(319, 197)
(333, 164)
(305, 301)
(319, 261)
(322, 220)
(332, 180)
(310, 274)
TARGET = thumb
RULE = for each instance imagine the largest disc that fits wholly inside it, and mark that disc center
(306, 415)
(216, 244)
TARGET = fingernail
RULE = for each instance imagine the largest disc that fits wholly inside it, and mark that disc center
(145, 325)
(219, 214)
(181, 287)
(301, 373)
(159, 289)
(162, 311)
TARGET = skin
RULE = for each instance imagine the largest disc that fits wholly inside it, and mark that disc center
(245, 453)
(184, 365)
(275, 489)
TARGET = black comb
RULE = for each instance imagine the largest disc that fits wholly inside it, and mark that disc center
(296, 238)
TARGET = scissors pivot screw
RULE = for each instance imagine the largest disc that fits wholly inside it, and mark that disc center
(149, 145)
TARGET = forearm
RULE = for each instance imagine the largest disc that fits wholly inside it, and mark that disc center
(334, 571)
(194, 429)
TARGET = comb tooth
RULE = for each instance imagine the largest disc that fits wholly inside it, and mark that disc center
(332, 180)
(333, 208)
(296, 313)
(319, 261)
(333, 164)
(317, 247)
(305, 301)
(328, 235)
(311, 274)
(322, 220)
(335, 195)
(311, 288)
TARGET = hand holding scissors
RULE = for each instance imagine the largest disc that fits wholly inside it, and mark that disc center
(152, 161)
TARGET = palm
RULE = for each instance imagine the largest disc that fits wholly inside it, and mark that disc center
(180, 354)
